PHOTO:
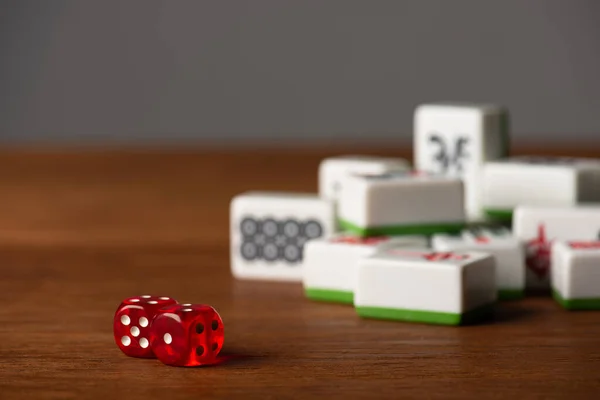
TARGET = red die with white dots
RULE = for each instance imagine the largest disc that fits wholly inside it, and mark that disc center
(131, 325)
(187, 335)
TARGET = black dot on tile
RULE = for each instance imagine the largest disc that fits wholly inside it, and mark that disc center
(199, 328)
(199, 350)
(215, 325)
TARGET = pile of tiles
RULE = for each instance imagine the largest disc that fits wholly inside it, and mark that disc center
(438, 242)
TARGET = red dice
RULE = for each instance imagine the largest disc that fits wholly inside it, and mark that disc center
(131, 324)
(187, 335)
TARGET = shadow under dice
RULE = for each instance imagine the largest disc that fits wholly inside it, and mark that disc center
(187, 335)
(131, 324)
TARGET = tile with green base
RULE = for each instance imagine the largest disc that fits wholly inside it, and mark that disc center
(431, 317)
(510, 294)
(398, 230)
(505, 215)
(336, 296)
(577, 304)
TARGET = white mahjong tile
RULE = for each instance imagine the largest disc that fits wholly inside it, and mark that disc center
(426, 286)
(269, 231)
(401, 203)
(538, 181)
(539, 227)
(333, 169)
(456, 139)
(576, 274)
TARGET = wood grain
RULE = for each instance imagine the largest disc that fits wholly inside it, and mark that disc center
(81, 230)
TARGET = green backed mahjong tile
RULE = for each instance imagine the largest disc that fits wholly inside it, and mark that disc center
(398, 230)
(577, 304)
(511, 294)
(499, 214)
(335, 296)
(430, 317)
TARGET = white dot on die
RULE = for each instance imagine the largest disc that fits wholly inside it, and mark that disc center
(146, 296)
(186, 305)
(135, 331)
(126, 340)
(144, 343)
(125, 320)
(167, 338)
(134, 300)
(187, 309)
(164, 298)
(143, 322)
(152, 302)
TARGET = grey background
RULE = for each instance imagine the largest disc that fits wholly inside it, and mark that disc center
(280, 70)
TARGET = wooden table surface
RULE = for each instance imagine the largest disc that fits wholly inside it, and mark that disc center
(80, 230)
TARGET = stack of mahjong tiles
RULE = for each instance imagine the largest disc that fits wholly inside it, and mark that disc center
(431, 242)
